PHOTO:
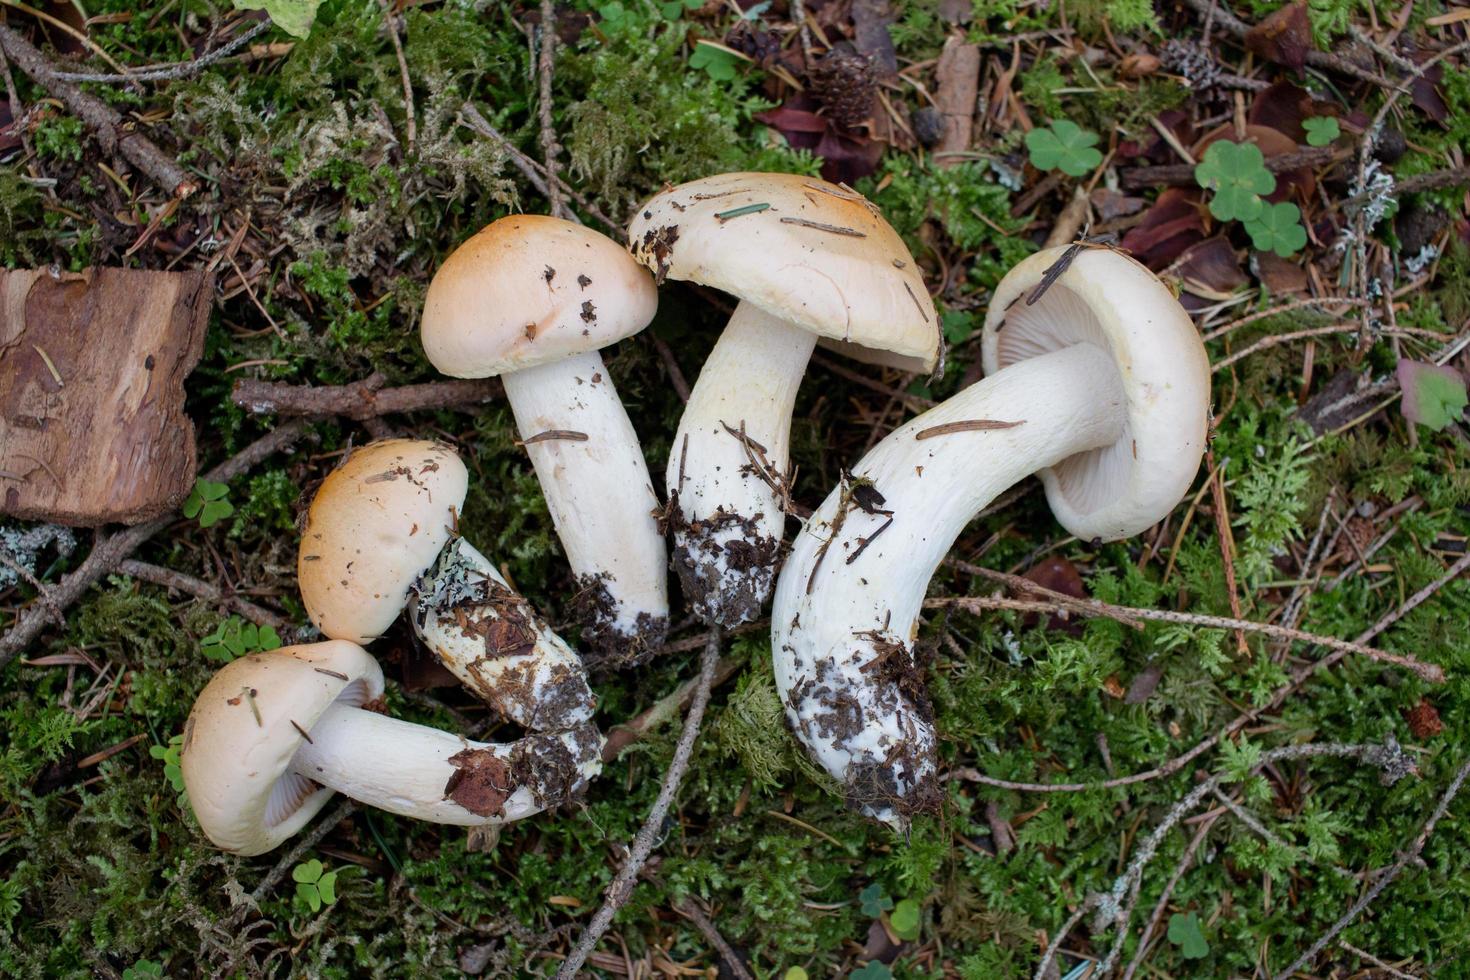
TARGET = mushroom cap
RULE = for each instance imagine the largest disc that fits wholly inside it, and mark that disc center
(818, 256)
(378, 521)
(528, 290)
(1106, 298)
(240, 739)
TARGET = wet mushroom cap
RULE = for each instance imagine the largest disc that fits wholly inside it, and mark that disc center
(529, 290)
(1106, 298)
(811, 253)
(247, 725)
(378, 521)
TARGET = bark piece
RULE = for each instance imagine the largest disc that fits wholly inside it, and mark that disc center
(92, 369)
(958, 75)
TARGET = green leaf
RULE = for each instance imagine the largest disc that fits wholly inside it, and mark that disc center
(905, 920)
(1321, 130)
(794, 973)
(873, 902)
(327, 886)
(873, 971)
(269, 639)
(307, 871)
(1434, 395)
(193, 503)
(1063, 146)
(673, 8)
(295, 17)
(1184, 932)
(718, 63)
(307, 892)
(214, 511)
(1278, 228)
(143, 970)
(1237, 173)
(958, 325)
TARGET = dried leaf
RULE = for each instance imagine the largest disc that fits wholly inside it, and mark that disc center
(1434, 395)
(1175, 222)
(1285, 37)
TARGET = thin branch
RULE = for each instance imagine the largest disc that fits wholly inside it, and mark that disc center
(1384, 879)
(177, 70)
(105, 123)
(363, 399)
(1163, 903)
(109, 551)
(1182, 174)
(201, 589)
(731, 959)
(622, 885)
(619, 737)
(391, 23)
(549, 146)
(1317, 59)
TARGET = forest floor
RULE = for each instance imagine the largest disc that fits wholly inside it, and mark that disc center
(1159, 798)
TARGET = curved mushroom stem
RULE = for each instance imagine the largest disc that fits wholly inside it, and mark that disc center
(728, 472)
(847, 605)
(491, 638)
(427, 774)
(601, 499)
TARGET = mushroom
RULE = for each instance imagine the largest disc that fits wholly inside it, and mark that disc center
(273, 735)
(807, 260)
(381, 533)
(1096, 379)
(533, 299)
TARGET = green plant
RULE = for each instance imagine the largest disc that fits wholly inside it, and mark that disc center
(873, 970)
(295, 17)
(873, 901)
(143, 970)
(905, 920)
(1185, 932)
(1237, 174)
(672, 9)
(315, 886)
(1434, 395)
(1063, 146)
(169, 756)
(234, 637)
(715, 61)
(1278, 228)
(1321, 130)
(207, 502)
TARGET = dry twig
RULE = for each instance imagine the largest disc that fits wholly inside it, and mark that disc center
(201, 589)
(549, 145)
(363, 399)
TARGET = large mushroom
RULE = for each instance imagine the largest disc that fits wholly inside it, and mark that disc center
(807, 260)
(273, 735)
(382, 533)
(1097, 380)
(533, 299)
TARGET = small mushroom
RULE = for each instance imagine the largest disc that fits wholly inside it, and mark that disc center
(273, 735)
(381, 533)
(807, 260)
(1097, 380)
(533, 299)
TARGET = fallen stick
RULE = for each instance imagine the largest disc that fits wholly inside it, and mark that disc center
(109, 551)
(115, 135)
(200, 589)
(1182, 174)
(361, 400)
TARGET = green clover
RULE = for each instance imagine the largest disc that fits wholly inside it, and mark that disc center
(873, 902)
(315, 886)
(673, 8)
(1237, 173)
(1434, 395)
(873, 971)
(234, 637)
(794, 973)
(905, 920)
(718, 63)
(1278, 228)
(295, 17)
(143, 970)
(1184, 932)
(207, 502)
(172, 765)
(1321, 130)
(1063, 146)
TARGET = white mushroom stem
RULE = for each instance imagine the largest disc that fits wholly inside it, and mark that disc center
(491, 638)
(404, 768)
(850, 593)
(601, 499)
(732, 445)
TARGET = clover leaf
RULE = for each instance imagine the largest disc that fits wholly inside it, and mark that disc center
(315, 886)
(1063, 146)
(673, 8)
(1237, 173)
(1434, 395)
(1278, 228)
(1184, 932)
(718, 63)
(143, 970)
(207, 502)
(873, 971)
(794, 973)
(295, 17)
(1321, 130)
(169, 755)
(905, 920)
(234, 638)
(873, 902)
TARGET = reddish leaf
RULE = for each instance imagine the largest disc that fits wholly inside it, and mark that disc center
(1058, 575)
(1283, 106)
(1174, 223)
(1113, 204)
(1426, 96)
(791, 121)
(1213, 265)
(846, 156)
(1282, 277)
(1154, 148)
(1285, 37)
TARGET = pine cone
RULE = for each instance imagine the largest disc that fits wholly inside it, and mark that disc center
(1194, 61)
(846, 85)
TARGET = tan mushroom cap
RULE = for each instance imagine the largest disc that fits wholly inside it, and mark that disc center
(378, 521)
(240, 739)
(818, 256)
(1107, 298)
(528, 290)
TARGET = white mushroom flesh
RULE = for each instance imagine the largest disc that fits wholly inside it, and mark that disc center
(491, 638)
(848, 601)
(427, 774)
(592, 472)
(729, 465)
